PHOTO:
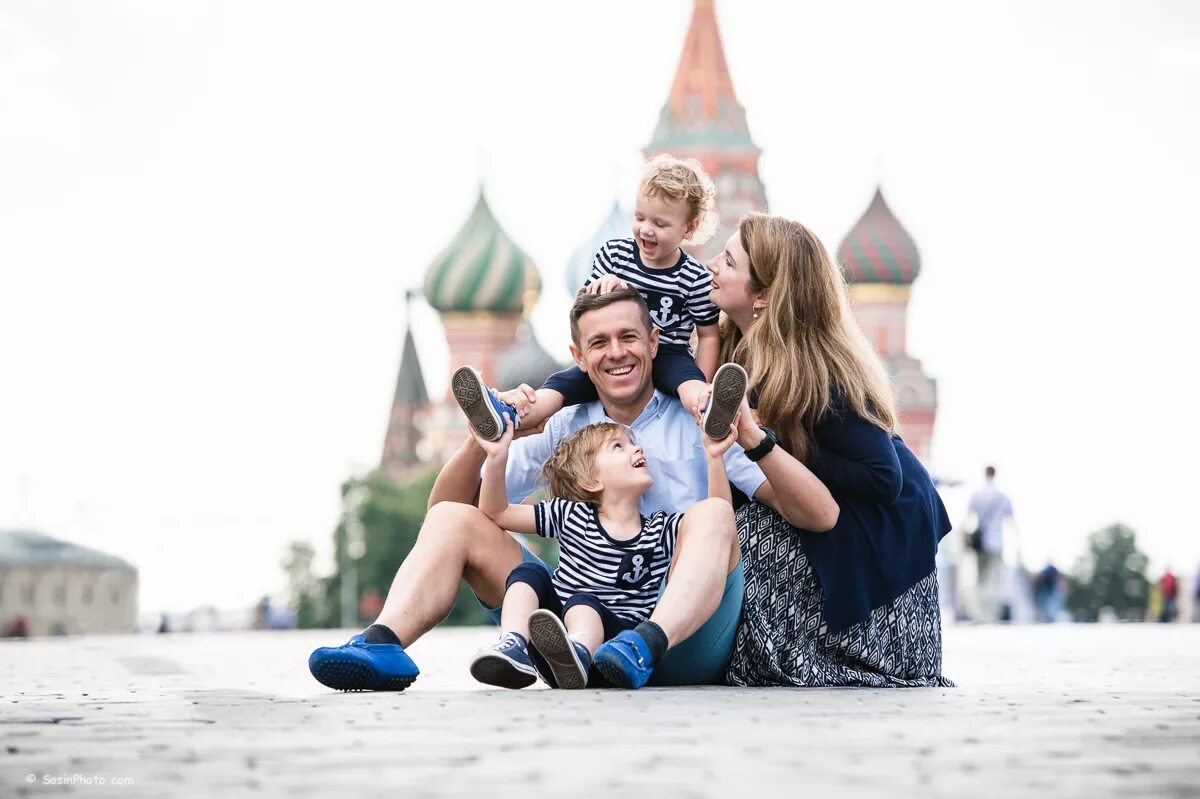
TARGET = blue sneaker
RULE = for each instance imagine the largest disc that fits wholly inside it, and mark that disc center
(505, 663)
(360, 666)
(568, 659)
(624, 660)
(485, 411)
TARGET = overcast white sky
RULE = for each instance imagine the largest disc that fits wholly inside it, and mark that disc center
(209, 213)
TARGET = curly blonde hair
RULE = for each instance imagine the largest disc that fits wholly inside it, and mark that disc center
(574, 462)
(678, 179)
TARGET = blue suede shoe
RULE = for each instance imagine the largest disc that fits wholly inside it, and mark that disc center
(485, 411)
(360, 666)
(624, 660)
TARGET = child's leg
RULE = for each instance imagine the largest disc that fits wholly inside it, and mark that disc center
(677, 374)
(519, 601)
(585, 625)
(528, 588)
(507, 662)
(568, 387)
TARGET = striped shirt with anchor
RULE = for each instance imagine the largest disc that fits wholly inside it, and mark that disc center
(677, 296)
(624, 575)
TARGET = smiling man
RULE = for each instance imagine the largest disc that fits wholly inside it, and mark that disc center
(697, 614)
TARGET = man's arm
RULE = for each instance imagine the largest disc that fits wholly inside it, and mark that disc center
(459, 479)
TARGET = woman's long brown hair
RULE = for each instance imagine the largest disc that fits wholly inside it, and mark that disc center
(806, 343)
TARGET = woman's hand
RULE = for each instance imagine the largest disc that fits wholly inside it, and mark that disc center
(750, 435)
(606, 284)
(495, 450)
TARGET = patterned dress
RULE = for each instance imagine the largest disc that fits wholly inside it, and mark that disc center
(783, 640)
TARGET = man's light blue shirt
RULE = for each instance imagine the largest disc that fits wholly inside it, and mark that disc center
(669, 438)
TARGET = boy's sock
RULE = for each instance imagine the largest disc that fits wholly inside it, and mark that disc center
(380, 634)
(655, 638)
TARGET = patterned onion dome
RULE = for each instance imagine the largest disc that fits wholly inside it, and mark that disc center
(482, 270)
(878, 249)
(617, 225)
(525, 362)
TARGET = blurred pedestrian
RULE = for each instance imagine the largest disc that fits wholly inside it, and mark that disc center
(1048, 593)
(1168, 587)
(990, 509)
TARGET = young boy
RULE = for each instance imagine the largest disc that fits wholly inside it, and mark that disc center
(611, 559)
(674, 205)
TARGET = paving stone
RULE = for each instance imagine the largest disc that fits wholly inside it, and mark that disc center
(1062, 711)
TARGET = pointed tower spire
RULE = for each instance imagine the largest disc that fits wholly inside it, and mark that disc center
(410, 405)
(702, 119)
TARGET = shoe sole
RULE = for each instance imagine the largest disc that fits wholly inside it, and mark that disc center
(352, 675)
(468, 388)
(729, 387)
(494, 669)
(549, 636)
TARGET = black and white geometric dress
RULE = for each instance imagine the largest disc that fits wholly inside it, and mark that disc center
(783, 640)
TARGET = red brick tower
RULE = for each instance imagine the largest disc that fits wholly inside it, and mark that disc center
(881, 262)
(402, 454)
(702, 119)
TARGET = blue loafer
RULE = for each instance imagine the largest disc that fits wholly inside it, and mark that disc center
(624, 660)
(360, 666)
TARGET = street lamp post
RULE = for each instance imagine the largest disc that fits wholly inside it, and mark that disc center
(354, 549)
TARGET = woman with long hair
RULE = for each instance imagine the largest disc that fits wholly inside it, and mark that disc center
(856, 604)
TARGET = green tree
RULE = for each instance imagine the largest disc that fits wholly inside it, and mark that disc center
(304, 589)
(391, 516)
(1111, 574)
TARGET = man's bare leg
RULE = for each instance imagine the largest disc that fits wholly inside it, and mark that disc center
(457, 542)
(706, 553)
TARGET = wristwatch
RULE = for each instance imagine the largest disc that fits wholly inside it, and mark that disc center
(755, 454)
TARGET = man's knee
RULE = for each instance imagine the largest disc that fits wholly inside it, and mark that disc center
(452, 523)
(710, 517)
(712, 521)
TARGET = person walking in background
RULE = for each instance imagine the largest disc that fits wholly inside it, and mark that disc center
(990, 508)
(1168, 587)
(1048, 593)
(1196, 597)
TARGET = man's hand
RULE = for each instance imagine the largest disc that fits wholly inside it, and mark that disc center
(495, 450)
(606, 284)
(520, 398)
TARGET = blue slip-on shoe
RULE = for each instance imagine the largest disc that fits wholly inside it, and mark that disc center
(505, 663)
(485, 411)
(728, 388)
(361, 666)
(624, 660)
(568, 659)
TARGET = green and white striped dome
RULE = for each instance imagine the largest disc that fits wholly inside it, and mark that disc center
(482, 270)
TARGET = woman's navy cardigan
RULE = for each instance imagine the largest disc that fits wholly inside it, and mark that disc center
(890, 522)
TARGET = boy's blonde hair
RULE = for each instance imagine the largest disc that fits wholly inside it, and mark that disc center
(677, 179)
(574, 462)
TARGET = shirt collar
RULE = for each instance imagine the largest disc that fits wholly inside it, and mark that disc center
(652, 410)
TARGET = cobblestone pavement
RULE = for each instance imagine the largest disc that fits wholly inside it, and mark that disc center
(1058, 711)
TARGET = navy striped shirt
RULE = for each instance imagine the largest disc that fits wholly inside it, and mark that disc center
(677, 295)
(623, 575)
